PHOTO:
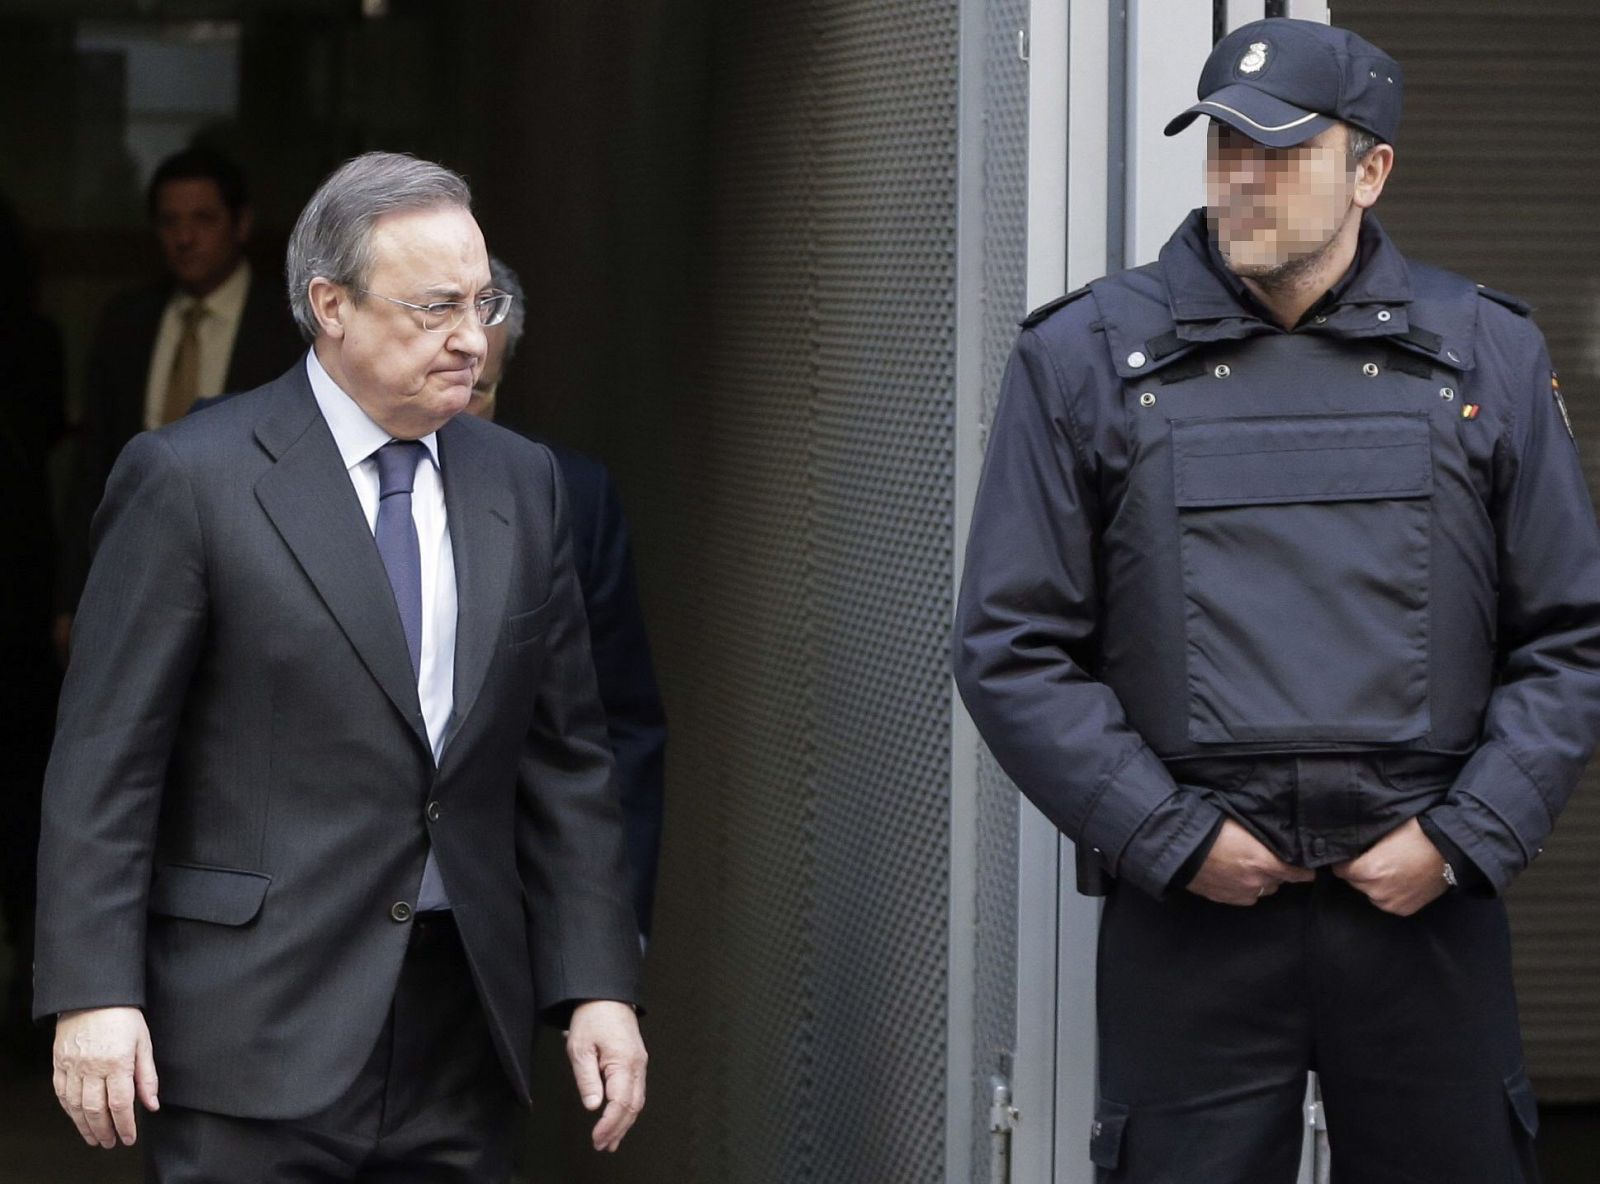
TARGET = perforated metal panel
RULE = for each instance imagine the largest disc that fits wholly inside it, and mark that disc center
(1497, 175)
(793, 518)
(882, 457)
(1005, 168)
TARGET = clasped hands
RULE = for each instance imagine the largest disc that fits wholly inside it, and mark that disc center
(1400, 873)
(103, 1060)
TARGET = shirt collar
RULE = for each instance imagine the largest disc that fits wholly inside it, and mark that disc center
(226, 300)
(354, 432)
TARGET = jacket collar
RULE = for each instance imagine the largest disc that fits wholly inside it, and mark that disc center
(1210, 303)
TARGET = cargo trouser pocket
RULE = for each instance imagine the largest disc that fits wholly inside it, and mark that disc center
(1305, 545)
(1105, 1135)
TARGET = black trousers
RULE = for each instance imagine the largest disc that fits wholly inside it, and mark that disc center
(1210, 1017)
(431, 1105)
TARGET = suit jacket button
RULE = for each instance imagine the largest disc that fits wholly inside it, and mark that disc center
(400, 911)
(433, 811)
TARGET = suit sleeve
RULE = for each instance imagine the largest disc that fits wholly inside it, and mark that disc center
(1542, 716)
(581, 930)
(139, 630)
(1025, 635)
(636, 723)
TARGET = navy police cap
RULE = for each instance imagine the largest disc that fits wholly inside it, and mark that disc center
(1281, 81)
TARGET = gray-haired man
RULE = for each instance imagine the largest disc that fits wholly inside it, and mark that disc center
(330, 821)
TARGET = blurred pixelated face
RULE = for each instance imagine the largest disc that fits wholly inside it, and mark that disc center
(408, 380)
(1272, 209)
(494, 364)
(202, 240)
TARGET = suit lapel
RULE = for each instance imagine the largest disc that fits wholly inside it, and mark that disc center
(311, 502)
(477, 506)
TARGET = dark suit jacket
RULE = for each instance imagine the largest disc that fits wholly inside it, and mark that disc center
(240, 789)
(635, 721)
(118, 372)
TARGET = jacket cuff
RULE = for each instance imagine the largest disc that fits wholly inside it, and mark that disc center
(1495, 814)
(1129, 798)
(1470, 877)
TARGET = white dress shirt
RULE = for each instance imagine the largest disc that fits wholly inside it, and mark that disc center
(358, 438)
(217, 332)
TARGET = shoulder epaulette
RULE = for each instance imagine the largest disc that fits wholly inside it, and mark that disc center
(1044, 310)
(1521, 307)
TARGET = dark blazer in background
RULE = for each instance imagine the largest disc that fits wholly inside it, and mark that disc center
(635, 720)
(242, 794)
(267, 343)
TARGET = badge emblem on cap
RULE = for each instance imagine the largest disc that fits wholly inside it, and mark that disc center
(1254, 58)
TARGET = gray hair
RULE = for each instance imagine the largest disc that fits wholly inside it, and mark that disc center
(502, 277)
(1358, 145)
(333, 237)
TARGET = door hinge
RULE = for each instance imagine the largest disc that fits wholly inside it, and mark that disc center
(1002, 1121)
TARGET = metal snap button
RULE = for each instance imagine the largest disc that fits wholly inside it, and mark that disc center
(433, 811)
(1147, 399)
(1451, 354)
(1096, 1129)
(1446, 393)
(1136, 359)
(1370, 370)
(1320, 319)
(1222, 371)
(400, 911)
(1384, 314)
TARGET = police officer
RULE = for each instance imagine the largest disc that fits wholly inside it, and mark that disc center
(1281, 602)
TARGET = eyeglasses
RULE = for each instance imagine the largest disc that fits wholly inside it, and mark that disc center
(445, 316)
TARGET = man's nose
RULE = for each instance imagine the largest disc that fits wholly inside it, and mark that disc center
(469, 338)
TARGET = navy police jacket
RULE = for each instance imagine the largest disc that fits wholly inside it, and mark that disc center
(1198, 534)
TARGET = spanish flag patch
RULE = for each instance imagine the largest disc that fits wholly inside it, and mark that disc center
(1469, 411)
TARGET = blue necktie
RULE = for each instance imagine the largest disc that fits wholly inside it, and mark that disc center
(396, 532)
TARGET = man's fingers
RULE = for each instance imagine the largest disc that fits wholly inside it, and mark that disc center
(625, 1091)
(96, 1114)
(612, 1126)
(119, 1100)
(69, 1092)
(144, 1076)
(586, 1072)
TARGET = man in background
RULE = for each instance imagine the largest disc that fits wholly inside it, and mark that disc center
(636, 725)
(210, 324)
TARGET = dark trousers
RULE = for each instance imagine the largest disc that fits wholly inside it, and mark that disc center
(1210, 1017)
(431, 1105)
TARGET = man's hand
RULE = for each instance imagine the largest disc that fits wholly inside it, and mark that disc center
(1240, 870)
(608, 1061)
(102, 1059)
(1400, 873)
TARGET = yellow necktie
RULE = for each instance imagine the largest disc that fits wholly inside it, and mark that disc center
(183, 384)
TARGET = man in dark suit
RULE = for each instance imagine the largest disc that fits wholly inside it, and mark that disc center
(211, 324)
(329, 822)
(636, 724)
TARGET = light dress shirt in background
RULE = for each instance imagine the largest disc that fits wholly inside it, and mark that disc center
(217, 331)
(357, 438)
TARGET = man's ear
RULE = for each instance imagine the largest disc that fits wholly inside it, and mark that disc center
(1371, 174)
(328, 305)
(243, 225)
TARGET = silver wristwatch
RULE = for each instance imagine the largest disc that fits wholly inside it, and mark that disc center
(1450, 875)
